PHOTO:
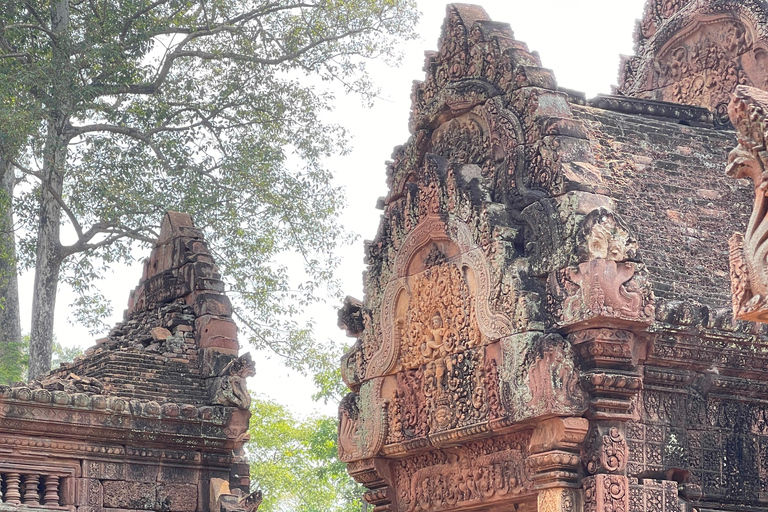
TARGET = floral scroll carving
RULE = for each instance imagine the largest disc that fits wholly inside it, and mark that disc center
(608, 451)
(748, 251)
(606, 493)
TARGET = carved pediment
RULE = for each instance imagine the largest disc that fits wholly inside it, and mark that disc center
(696, 53)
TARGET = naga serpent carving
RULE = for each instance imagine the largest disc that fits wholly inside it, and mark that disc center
(749, 269)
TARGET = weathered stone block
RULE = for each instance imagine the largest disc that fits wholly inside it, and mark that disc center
(205, 303)
(213, 331)
(131, 495)
(176, 474)
(141, 472)
(176, 498)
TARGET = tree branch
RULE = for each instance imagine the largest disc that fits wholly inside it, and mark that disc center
(56, 196)
(76, 131)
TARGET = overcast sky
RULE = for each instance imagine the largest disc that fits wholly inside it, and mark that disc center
(580, 40)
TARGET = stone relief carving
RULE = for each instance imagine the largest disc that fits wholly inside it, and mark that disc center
(697, 55)
(606, 493)
(229, 387)
(607, 450)
(440, 317)
(606, 284)
(362, 422)
(414, 335)
(475, 473)
(748, 251)
(445, 394)
(539, 377)
(462, 139)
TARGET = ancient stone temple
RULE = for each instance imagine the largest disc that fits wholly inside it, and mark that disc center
(152, 418)
(547, 322)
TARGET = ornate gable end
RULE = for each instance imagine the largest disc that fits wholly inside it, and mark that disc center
(697, 52)
(458, 354)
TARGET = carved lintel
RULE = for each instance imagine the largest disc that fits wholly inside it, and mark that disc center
(749, 271)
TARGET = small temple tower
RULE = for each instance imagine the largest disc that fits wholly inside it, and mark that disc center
(547, 322)
(154, 417)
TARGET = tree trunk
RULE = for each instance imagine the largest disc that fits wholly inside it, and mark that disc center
(10, 321)
(48, 257)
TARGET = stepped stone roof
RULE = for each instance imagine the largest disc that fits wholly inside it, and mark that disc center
(154, 417)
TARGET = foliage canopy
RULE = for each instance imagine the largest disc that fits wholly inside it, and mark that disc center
(126, 108)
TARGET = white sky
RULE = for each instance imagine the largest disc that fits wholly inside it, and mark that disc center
(579, 39)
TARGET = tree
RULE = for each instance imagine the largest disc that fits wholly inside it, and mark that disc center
(294, 462)
(202, 106)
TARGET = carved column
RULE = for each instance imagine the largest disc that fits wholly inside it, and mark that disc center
(554, 463)
(51, 490)
(31, 495)
(12, 494)
(604, 304)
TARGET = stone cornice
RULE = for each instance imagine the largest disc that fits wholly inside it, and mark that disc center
(112, 419)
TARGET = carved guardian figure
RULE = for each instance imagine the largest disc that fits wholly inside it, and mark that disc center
(748, 251)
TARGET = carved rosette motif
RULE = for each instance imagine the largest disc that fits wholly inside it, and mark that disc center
(608, 451)
(606, 493)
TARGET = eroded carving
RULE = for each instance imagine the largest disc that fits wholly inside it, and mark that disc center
(606, 284)
(229, 388)
(362, 422)
(539, 377)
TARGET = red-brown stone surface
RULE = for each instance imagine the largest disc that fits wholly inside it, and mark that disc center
(151, 418)
(547, 321)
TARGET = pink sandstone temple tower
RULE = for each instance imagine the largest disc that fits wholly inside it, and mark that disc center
(548, 321)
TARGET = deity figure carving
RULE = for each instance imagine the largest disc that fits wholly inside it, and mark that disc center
(439, 318)
(607, 283)
(748, 251)
(439, 340)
